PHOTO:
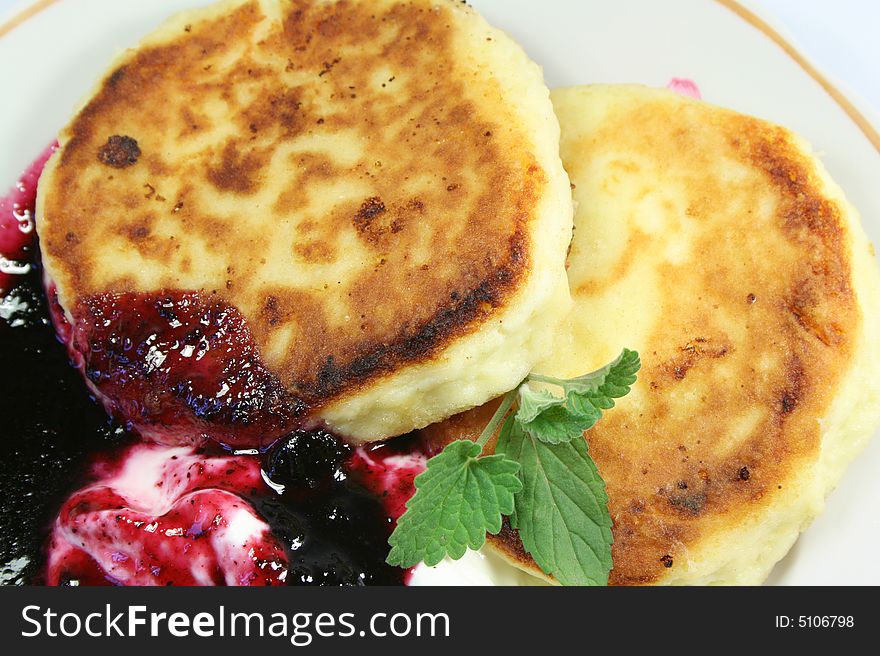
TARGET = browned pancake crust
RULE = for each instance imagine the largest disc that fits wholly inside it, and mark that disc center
(401, 311)
(784, 290)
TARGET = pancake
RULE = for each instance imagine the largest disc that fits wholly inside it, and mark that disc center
(374, 186)
(717, 246)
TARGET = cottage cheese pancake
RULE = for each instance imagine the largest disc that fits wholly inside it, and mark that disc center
(716, 245)
(369, 194)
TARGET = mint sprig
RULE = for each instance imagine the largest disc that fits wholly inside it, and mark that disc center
(541, 475)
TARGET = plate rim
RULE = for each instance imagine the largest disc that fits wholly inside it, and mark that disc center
(865, 125)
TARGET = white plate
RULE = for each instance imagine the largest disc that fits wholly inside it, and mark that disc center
(50, 60)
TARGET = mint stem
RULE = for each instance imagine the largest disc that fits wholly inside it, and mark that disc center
(498, 417)
(538, 378)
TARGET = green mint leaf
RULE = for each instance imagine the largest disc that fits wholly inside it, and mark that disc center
(532, 403)
(458, 498)
(562, 510)
(611, 381)
(546, 417)
(553, 420)
(590, 394)
(558, 424)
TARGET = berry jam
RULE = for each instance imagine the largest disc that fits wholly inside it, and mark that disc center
(308, 512)
(49, 425)
(181, 367)
(78, 504)
(17, 223)
(333, 524)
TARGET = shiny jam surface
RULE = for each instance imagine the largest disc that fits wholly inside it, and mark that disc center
(181, 367)
(85, 500)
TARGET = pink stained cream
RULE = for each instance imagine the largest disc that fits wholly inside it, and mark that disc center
(166, 516)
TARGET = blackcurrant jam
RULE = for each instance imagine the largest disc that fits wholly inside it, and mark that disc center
(181, 368)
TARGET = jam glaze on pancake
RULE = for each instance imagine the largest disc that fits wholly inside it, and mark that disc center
(374, 186)
(716, 245)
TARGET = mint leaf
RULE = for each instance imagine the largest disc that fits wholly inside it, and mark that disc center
(557, 424)
(562, 510)
(610, 382)
(554, 419)
(545, 417)
(532, 403)
(590, 394)
(458, 499)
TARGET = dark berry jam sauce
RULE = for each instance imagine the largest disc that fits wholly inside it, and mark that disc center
(180, 368)
(85, 500)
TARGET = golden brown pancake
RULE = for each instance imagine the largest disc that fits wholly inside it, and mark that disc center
(375, 186)
(716, 245)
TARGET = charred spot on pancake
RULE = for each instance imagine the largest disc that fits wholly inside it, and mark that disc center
(326, 67)
(238, 170)
(282, 109)
(744, 474)
(116, 76)
(119, 152)
(139, 232)
(667, 561)
(508, 538)
(795, 386)
(413, 343)
(691, 504)
(788, 402)
(375, 222)
(693, 352)
(370, 208)
(270, 310)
